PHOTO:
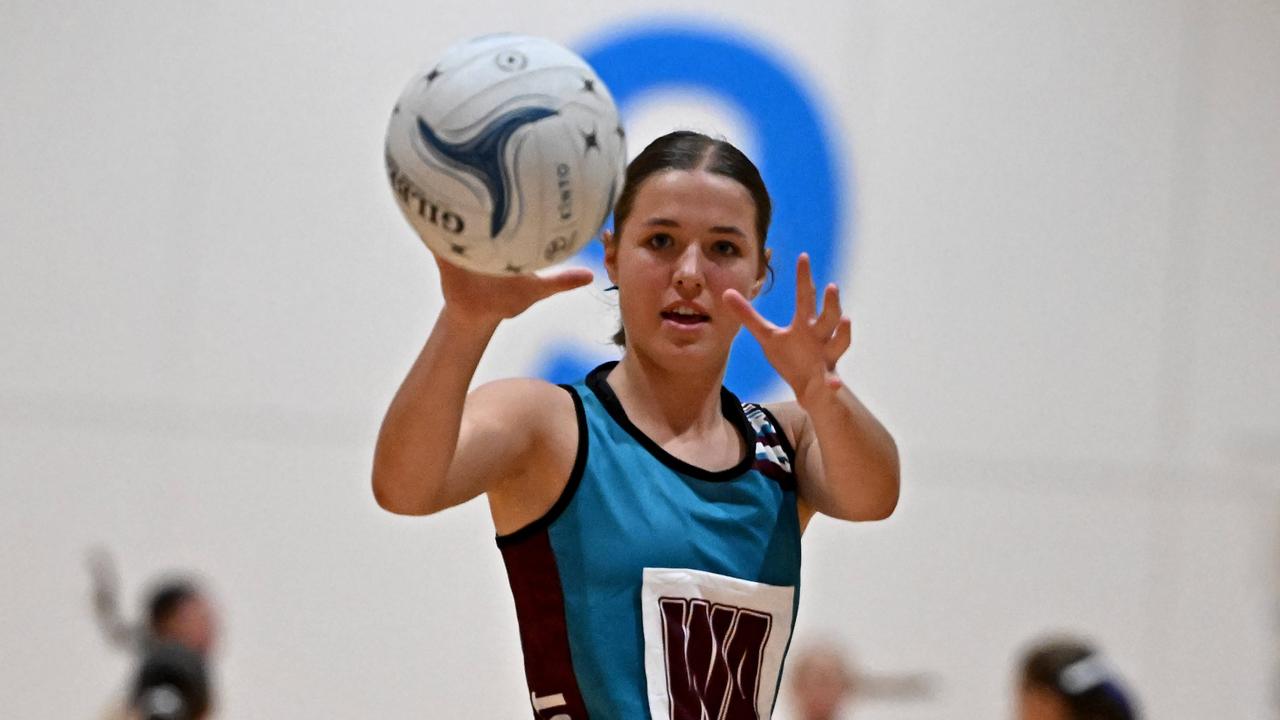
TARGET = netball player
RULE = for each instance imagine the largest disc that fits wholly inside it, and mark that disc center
(649, 521)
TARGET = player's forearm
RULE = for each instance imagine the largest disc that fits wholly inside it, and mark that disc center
(860, 478)
(420, 431)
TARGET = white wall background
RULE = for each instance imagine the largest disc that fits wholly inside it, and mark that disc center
(1064, 290)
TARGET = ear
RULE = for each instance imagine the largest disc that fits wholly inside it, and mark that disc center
(610, 255)
(759, 283)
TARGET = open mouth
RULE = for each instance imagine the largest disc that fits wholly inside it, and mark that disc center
(685, 316)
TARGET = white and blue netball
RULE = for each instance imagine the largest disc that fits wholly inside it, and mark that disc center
(507, 154)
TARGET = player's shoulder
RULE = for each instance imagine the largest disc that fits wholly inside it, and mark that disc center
(790, 416)
(522, 398)
(787, 412)
(520, 389)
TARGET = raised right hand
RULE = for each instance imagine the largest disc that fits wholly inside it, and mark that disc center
(413, 477)
(492, 298)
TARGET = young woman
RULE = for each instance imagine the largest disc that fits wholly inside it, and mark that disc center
(649, 521)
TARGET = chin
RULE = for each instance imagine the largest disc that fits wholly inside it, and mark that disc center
(689, 357)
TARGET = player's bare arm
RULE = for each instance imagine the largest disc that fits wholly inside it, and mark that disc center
(847, 462)
(438, 447)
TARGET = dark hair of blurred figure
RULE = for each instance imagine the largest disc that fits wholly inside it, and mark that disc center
(1065, 678)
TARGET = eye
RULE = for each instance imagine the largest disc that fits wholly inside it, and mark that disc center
(659, 241)
(726, 248)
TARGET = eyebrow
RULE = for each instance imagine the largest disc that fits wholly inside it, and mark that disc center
(716, 230)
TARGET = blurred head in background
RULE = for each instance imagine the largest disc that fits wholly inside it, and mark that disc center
(178, 611)
(1065, 678)
(822, 682)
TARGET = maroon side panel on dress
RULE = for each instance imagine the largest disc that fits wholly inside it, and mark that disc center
(548, 664)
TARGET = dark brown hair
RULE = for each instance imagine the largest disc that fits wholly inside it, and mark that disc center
(689, 150)
(165, 599)
(1094, 694)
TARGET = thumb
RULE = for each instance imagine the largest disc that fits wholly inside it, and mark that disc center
(563, 280)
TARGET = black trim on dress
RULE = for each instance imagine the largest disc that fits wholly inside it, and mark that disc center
(570, 488)
(730, 407)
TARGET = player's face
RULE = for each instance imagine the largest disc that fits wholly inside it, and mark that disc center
(1035, 703)
(690, 236)
(195, 625)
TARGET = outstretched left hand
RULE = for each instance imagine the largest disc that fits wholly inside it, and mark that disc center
(805, 352)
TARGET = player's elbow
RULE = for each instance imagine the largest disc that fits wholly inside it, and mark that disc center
(396, 494)
(883, 506)
(869, 508)
(388, 499)
(878, 492)
(888, 485)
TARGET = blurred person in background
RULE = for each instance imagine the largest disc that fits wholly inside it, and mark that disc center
(825, 683)
(173, 646)
(822, 682)
(1066, 678)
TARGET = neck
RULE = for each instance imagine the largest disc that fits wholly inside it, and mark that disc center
(681, 401)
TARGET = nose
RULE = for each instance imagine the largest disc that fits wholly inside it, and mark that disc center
(688, 276)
